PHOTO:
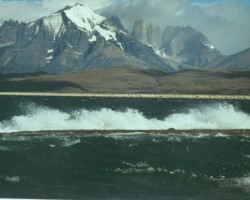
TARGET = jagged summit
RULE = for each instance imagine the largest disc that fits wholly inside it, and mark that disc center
(69, 7)
(181, 44)
(88, 21)
(85, 20)
(148, 34)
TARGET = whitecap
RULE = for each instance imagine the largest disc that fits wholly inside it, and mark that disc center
(36, 118)
(4, 148)
(12, 179)
(70, 142)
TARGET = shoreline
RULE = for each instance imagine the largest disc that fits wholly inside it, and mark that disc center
(121, 95)
(233, 132)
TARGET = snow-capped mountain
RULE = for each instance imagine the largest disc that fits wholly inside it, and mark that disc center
(72, 39)
(180, 44)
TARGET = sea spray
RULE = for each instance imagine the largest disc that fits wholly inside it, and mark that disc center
(213, 116)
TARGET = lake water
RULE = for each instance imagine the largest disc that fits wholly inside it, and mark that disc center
(134, 165)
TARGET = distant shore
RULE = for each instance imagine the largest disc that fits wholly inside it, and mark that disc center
(235, 132)
(163, 96)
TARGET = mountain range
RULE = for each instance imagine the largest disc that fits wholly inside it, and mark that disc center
(76, 39)
(182, 44)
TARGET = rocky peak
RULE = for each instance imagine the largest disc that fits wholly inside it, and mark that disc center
(181, 44)
(140, 31)
(10, 23)
(85, 20)
(153, 35)
(116, 22)
(188, 46)
(8, 31)
(147, 34)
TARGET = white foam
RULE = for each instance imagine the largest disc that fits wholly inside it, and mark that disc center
(70, 142)
(247, 156)
(243, 182)
(3, 148)
(12, 179)
(140, 167)
(217, 116)
(144, 167)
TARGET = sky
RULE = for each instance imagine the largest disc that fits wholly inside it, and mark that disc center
(224, 22)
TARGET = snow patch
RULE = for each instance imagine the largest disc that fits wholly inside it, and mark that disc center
(88, 21)
(93, 39)
(54, 24)
(83, 17)
(31, 24)
(107, 34)
(48, 59)
(71, 46)
(9, 43)
(37, 30)
(123, 32)
(78, 54)
(210, 46)
(50, 51)
(120, 44)
(161, 53)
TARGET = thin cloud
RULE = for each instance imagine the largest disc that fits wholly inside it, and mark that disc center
(27, 11)
(226, 23)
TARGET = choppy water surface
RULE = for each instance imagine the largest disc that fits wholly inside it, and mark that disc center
(123, 166)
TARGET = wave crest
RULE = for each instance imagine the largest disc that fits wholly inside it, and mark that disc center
(37, 118)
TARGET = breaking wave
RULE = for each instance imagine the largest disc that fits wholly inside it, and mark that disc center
(10, 179)
(242, 183)
(36, 118)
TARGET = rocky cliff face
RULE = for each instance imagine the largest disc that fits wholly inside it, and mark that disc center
(150, 35)
(181, 44)
(188, 46)
(73, 39)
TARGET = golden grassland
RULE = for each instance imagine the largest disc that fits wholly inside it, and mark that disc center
(131, 82)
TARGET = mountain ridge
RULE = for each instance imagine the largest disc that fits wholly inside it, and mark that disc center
(237, 61)
(181, 44)
(74, 39)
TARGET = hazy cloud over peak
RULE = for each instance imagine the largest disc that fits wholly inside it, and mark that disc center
(226, 23)
(29, 10)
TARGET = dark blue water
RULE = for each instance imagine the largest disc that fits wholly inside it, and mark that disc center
(122, 166)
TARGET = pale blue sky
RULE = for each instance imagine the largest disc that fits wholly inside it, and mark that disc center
(192, 1)
(215, 1)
